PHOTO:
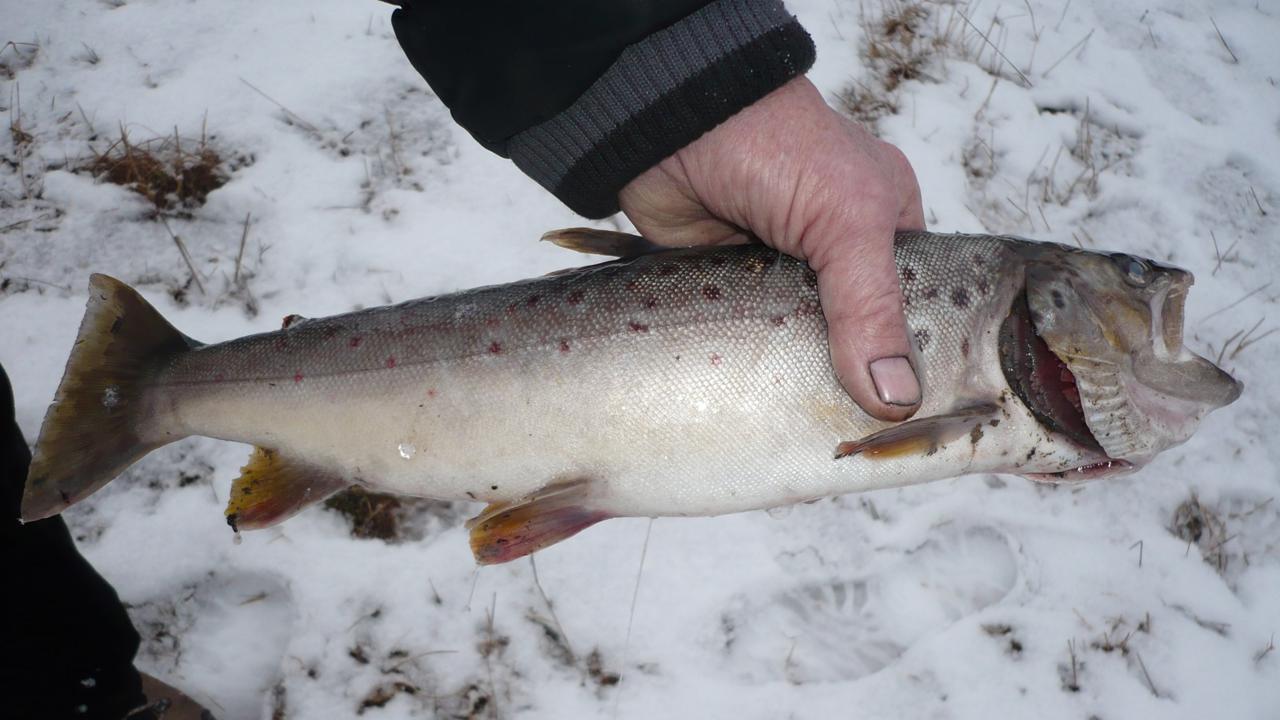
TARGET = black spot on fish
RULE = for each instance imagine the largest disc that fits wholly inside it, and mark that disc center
(115, 326)
(960, 298)
(922, 338)
(983, 285)
(908, 274)
(493, 487)
(711, 292)
(994, 422)
(931, 293)
(975, 435)
(1059, 301)
(964, 347)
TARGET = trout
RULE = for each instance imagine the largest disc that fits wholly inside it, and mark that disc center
(665, 383)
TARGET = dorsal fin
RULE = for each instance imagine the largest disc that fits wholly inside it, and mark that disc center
(602, 242)
(272, 488)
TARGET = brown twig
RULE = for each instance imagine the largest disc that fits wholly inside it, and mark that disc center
(1026, 82)
(244, 236)
(1065, 55)
(182, 248)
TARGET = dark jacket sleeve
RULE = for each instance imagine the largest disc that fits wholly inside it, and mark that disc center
(584, 95)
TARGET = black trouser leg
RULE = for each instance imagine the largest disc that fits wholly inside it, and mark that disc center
(66, 642)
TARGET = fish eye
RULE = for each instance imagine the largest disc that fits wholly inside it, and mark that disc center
(1136, 271)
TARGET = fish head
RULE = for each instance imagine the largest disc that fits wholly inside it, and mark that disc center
(1094, 348)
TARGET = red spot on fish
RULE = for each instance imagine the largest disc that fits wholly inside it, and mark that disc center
(633, 285)
(651, 302)
(219, 377)
(297, 377)
(495, 348)
(533, 300)
(575, 297)
(564, 346)
(431, 392)
(512, 308)
(493, 321)
(638, 327)
(715, 359)
(711, 292)
(355, 341)
(778, 320)
(330, 331)
(391, 362)
(289, 320)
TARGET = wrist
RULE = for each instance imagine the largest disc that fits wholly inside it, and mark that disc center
(661, 95)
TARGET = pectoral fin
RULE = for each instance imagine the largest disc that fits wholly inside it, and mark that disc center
(602, 242)
(509, 530)
(922, 436)
(272, 488)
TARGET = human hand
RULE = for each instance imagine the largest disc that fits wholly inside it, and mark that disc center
(814, 185)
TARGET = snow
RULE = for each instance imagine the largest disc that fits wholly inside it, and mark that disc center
(972, 598)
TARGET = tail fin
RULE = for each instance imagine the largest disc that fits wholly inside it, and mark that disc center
(95, 427)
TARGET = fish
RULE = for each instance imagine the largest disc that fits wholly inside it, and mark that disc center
(666, 382)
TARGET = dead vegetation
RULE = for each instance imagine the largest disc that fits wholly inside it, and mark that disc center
(173, 175)
(391, 518)
(1201, 526)
(896, 47)
(16, 56)
(1005, 632)
(399, 147)
(907, 40)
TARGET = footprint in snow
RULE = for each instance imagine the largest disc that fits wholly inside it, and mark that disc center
(846, 629)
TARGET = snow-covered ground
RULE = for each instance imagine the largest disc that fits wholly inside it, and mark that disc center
(1152, 128)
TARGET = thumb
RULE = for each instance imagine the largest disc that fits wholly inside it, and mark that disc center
(870, 351)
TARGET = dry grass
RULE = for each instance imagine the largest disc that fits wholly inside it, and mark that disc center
(172, 174)
(1200, 525)
(15, 56)
(895, 49)
(908, 40)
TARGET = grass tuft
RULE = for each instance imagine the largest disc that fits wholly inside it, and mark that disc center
(170, 173)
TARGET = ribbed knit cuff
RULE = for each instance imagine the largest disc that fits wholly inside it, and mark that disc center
(662, 94)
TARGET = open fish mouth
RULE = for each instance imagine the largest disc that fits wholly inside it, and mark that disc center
(1044, 383)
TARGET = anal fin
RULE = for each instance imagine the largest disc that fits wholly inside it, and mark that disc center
(272, 488)
(922, 436)
(602, 242)
(506, 531)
